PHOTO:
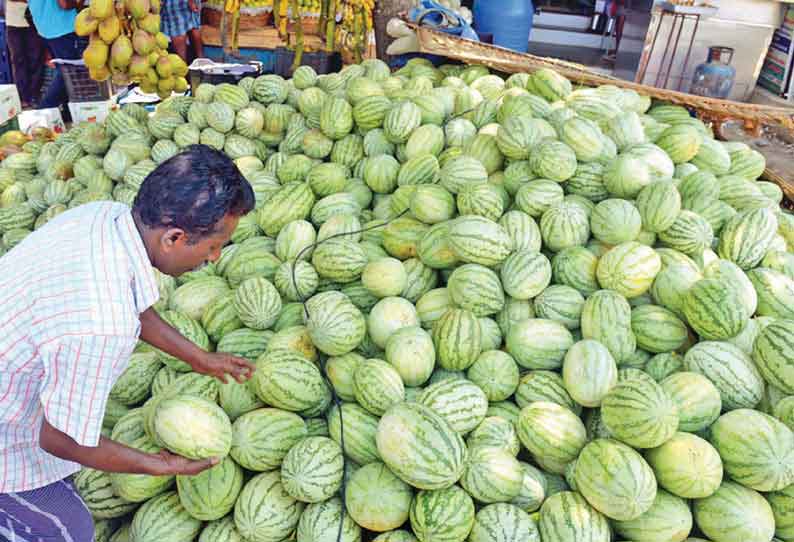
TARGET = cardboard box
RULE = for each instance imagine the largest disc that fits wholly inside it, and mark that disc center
(90, 111)
(42, 118)
(10, 104)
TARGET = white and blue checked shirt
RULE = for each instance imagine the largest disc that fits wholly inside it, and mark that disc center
(176, 17)
(70, 298)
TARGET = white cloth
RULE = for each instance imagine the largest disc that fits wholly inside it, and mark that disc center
(15, 14)
(71, 294)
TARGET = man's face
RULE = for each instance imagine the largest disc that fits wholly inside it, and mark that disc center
(180, 254)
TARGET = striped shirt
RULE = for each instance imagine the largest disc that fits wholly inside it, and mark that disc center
(70, 298)
(176, 17)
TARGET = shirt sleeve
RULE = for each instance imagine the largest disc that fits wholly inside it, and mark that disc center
(79, 372)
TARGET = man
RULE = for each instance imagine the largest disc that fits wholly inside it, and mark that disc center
(26, 49)
(75, 296)
(180, 20)
(54, 21)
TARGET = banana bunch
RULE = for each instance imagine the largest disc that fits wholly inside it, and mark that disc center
(350, 8)
(126, 44)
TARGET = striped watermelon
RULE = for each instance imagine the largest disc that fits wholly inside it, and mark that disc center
(495, 373)
(163, 517)
(773, 354)
(261, 438)
(401, 120)
(561, 304)
(774, 291)
(567, 516)
(698, 400)
(545, 386)
(524, 274)
(697, 477)
(460, 403)
(193, 427)
(730, 370)
(735, 514)
(538, 344)
(445, 463)
(606, 317)
(552, 434)
(442, 515)
(319, 522)
(377, 386)
(287, 380)
(335, 325)
(411, 352)
(668, 518)
(628, 269)
(458, 339)
(293, 201)
(538, 196)
(584, 137)
(615, 221)
(564, 225)
(714, 309)
(640, 413)
(657, 329)
(780, 501)
(503, 523)
(615, 479)
(492, 475)
(477, 289)
(755, 449)
(264, 511)
(589, 372)
(133, 386)
(576, 267)
(712, 156)
(312, 470)
(690, 233)
(100, 498)
(359, 428)
(376, 499)
(211, 494)
(495, 432)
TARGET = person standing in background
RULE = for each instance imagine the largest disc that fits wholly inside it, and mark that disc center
(54, 21)
(26, 49)
(180, 20)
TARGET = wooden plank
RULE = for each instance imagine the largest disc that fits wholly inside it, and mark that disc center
(260, 38)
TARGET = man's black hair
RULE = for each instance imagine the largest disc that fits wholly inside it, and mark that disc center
(193, 191)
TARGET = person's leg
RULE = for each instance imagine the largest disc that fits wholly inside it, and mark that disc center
(68, 47)
(55, 513)
(196, 43)
(17, 50)
(35, 57)
(180, 46)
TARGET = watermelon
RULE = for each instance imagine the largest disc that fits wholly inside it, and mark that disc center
(552, 433)
(97, 492)
(628, 269)
(163, 517)
(319, 523)
(615, 480)
(377, 386)
(492, 475)
(261, 438)
(441, 468)
(496, 374)
(640, 413)
(735, 514)
(772, 354)
(589, 372)
(376, 499)
(265, 511)
(193, 427)
(757, 458)
(355, 429)
(443, 515)
(335, 325)
(211, 494)
(312, 470)
(503, 522)
(567, 516)
(460, 403)
(668, 518)
(696, 478)
(697, 399)
(285, 379)
(544, 386)
(730, 370)
(538, 344)
(714, 309)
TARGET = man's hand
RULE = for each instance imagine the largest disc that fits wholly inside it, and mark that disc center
(168, 464)
(219, 365)
(193, 5)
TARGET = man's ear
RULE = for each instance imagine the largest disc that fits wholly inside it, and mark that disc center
(172, 237)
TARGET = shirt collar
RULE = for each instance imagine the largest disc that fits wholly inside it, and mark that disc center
(144, 282)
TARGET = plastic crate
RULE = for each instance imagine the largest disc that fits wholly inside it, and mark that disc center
(79, 85)
(321, 61)
(223, 74)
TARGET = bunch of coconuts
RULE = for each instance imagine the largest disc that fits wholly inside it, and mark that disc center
(126, 45)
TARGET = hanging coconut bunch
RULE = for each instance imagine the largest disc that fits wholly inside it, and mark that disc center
(126, 45)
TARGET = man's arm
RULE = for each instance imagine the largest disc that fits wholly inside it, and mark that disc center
(111, 456)
(158, 333)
